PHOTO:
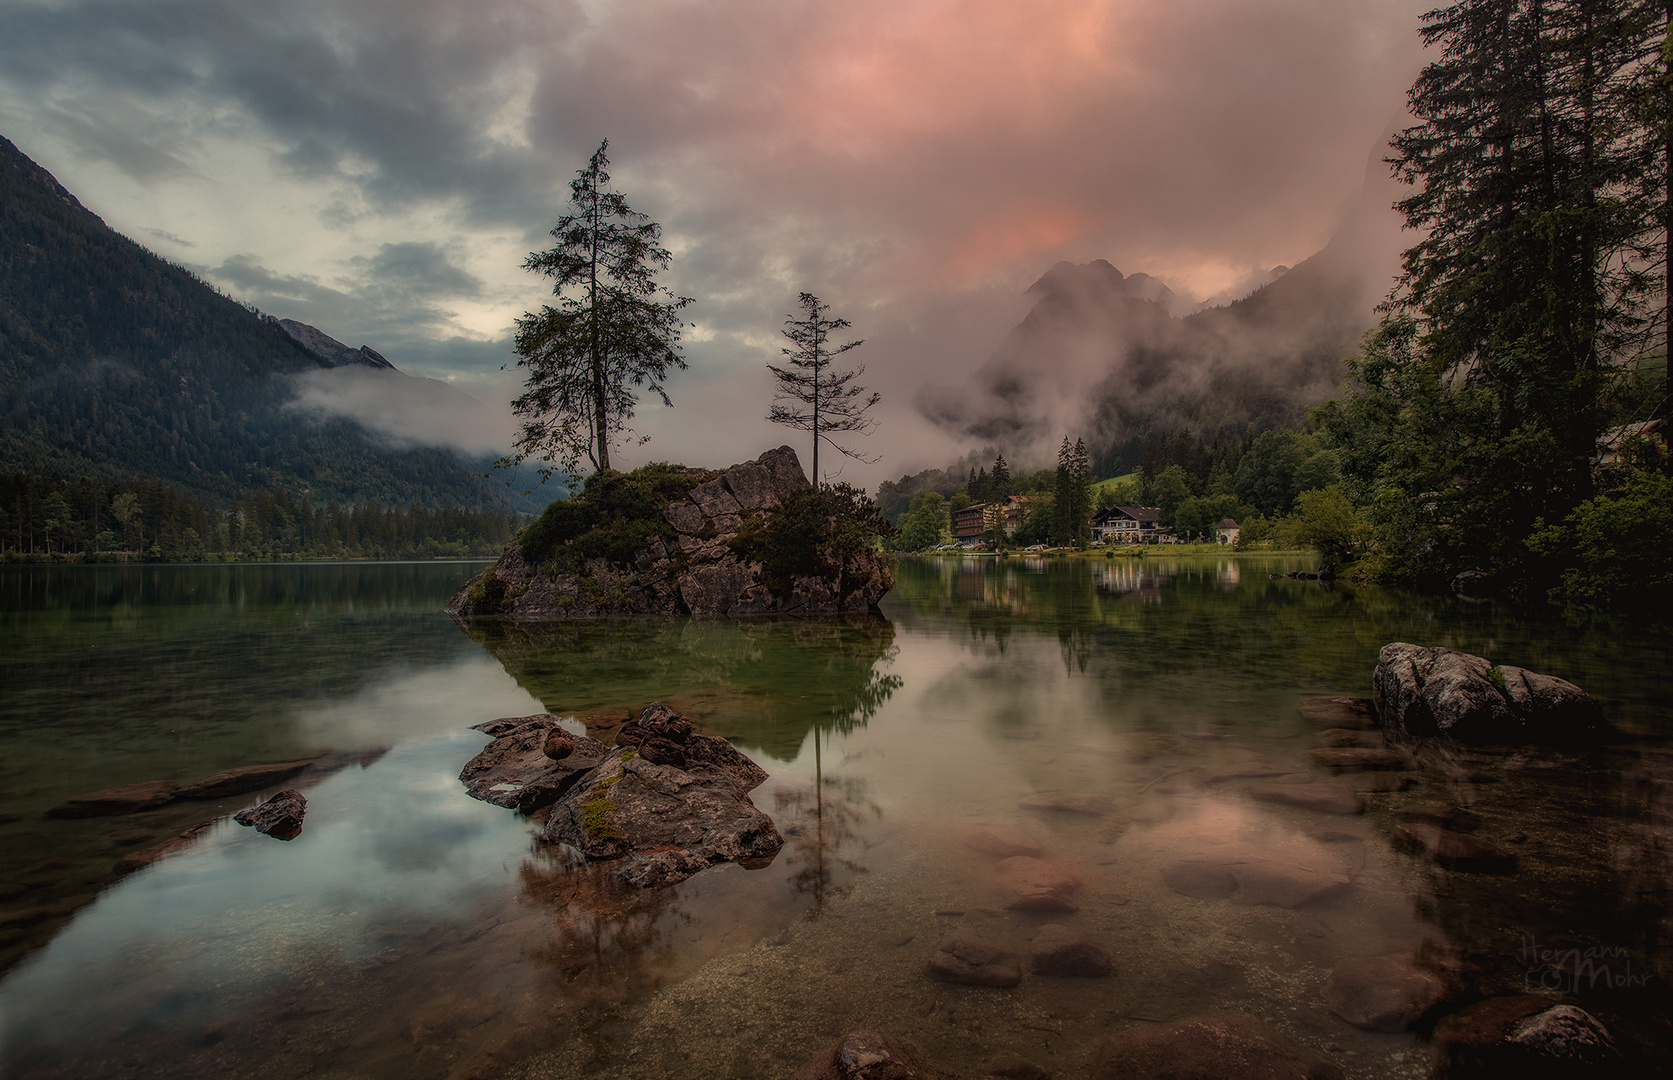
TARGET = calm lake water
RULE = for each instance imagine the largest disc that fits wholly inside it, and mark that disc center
(413, 932)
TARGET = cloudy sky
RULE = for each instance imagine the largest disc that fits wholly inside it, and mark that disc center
(380, 168)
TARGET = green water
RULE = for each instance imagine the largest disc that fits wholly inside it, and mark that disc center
(410, 931)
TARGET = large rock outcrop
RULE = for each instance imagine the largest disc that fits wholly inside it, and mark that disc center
(700, 562)
(1438, 691)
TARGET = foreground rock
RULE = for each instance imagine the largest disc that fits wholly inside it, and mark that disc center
(1441, 692)
(279, 817)
(1522, 1036)
(699, 559)
(968, 958)
(870, 1055)
(1213, 1047)
(1389, 993)
(660, 806)
(516, 772)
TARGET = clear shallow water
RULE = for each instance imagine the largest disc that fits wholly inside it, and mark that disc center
(411, 931)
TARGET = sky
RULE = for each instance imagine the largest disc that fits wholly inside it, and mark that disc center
(381, 168)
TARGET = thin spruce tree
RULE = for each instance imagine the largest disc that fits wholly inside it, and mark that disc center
(613, 331)
(811, 395)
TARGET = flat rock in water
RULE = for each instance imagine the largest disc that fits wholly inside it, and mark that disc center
(1249, 874)
(968, 958)
(1324, 798)
(1001, 841)
(513, 771)
(1069, 803)
(127, 799)
(1013, 1066)
(1059, 951)
(1455, 851)
(1523, 1036)
(279, 817)
(242, 781)
(870, 1055)
(1361, 758)
(1438, 691)
(1032, 884)
(660, 824)
(1388, 993)
(1347, 737)
(1339, 712)
(174, 845)
(1213, 1047)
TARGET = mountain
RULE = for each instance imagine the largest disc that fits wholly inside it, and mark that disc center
(114, 362)
(1117, 358)
(329, 349)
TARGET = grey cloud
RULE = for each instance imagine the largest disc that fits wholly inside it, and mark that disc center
(409, 411)
(421, 269)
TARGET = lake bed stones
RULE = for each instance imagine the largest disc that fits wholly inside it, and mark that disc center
(1060, 952)
(1211, 1047)
(1388, 993)
(968, 958)
(1439, 691)
(1523, 1035)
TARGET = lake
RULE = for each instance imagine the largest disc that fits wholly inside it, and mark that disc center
(411, 931)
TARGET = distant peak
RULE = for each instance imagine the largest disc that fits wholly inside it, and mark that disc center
(331, 351)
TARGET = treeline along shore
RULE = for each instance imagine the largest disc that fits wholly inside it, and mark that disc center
(47, 518)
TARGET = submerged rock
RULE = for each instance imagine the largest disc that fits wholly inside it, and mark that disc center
(1339, 712)
(174, 845)
(1069, 803)
(1061, 952)
(1212, 1047)
(968, 958)
(870, 1055)
(1250, 874)
(1455, 851)
(127, 799)
(279, 817)
(1032, 884)
(1330, 798)
(1423, 691)
(242, 781)
(1361, 758)
(1388, 993)
(1002, 842)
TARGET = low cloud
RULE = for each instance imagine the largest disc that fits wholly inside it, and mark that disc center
(409, 411)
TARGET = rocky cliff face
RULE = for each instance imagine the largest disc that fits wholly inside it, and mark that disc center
(706, 558)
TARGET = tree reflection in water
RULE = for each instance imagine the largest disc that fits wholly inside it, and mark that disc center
(611, 942)
(818, 826)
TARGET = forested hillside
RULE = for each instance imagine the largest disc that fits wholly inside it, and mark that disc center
(115, 363)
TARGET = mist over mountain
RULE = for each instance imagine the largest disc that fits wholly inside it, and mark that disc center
(115, 363)
(1116, 358)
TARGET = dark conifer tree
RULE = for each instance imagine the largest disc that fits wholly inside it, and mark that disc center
(810, 396)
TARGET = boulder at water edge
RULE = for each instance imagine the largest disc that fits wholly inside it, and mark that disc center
(1526, 1036)
(279, 817)
(1422, 691)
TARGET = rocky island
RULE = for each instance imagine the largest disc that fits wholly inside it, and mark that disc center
(753, 539)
